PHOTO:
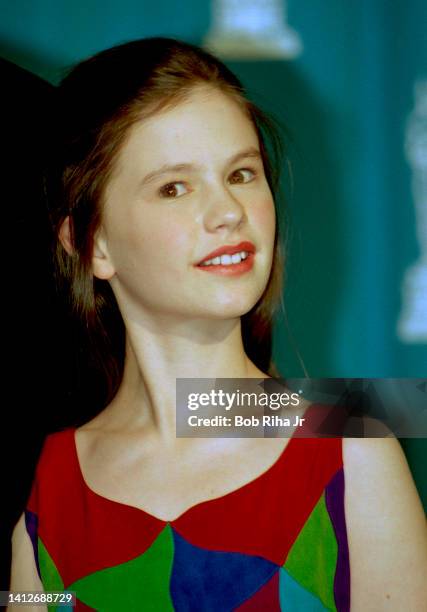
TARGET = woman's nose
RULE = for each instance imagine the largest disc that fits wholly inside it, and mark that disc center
(224, 210)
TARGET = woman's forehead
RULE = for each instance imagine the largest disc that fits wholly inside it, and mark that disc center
(207, 122)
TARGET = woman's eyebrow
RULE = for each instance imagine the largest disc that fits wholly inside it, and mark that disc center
(165, 169)
(251, 152)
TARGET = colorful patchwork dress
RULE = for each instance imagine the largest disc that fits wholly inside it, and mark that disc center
(276, 543)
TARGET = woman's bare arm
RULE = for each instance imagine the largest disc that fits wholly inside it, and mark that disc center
(24, 576)
(386, 528)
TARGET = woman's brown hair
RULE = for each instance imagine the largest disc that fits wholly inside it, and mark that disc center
(98, 102)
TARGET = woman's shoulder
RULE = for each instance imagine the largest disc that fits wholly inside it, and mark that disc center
(375, 465)
(54, 443)
(376, 470)
(53, 455)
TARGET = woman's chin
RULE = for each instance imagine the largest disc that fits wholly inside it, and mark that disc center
(231, 309)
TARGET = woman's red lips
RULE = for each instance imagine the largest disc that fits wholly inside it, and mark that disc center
(230, 249)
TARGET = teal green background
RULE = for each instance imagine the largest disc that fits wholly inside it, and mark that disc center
(350, 212)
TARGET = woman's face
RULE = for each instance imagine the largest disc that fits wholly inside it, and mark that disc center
(187, 182)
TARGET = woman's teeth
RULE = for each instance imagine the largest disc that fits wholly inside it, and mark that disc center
(226, 260)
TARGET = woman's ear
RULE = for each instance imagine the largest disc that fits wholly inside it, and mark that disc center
(65, 236)
(102, 266)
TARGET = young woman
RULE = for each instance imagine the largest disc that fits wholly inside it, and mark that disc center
(165, 214)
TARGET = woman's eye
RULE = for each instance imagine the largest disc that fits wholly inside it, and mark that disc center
(173, 190)
(243, 175)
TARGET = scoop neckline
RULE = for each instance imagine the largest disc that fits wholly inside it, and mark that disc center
(266, 473)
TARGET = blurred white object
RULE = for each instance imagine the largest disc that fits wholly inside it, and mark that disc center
(412, 326)
(251, 30)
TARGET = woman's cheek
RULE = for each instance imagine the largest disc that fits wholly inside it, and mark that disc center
(265, 216)
(176, 238)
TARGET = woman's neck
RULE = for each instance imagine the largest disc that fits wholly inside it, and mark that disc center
(146, 398)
